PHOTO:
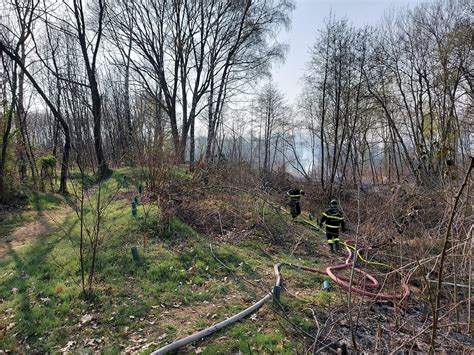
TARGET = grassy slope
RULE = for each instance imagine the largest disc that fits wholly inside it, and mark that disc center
(177, 289)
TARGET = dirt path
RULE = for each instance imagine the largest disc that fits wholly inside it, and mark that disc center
(44, 223)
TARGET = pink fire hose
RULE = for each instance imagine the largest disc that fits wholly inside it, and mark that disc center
(344, 283)
(355, 286)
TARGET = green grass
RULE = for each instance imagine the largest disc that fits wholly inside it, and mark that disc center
(10, 221)
(40, 291)
(39, 283)
(181, 172)
(246, 338)
(178, 229)
(41, 201)
(75, 180)
(36, 203)
(29, 281)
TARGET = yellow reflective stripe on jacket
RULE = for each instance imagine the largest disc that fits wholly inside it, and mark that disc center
(331, 226)
(330, 241)
(333, 217)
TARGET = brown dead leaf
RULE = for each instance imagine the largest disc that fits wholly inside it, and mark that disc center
(86, 318)
(68, 346)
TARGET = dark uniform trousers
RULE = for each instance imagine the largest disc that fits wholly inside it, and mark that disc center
(334, 221)
(295, 207)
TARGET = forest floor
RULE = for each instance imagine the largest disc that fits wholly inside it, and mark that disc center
(23, 227)
(179, 287)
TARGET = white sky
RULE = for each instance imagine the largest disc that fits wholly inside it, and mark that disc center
(307, 18)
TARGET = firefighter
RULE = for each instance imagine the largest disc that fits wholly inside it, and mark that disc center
(334, 221)
(295, 196)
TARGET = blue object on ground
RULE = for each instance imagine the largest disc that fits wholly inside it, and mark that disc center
(134, 208)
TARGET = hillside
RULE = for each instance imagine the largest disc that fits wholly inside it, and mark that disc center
(180, 284)
(236, 176)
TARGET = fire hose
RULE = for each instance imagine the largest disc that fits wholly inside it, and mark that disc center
(346, 284)
(355, 286)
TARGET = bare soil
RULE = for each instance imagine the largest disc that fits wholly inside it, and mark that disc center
(44, 223)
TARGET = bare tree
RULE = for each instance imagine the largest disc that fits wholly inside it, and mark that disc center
(90, 46)
(190, 49)
(29, 15)
(271, 111)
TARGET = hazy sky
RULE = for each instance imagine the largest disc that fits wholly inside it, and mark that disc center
(308, 18)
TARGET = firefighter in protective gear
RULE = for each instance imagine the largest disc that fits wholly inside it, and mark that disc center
(295, 196)
(334, 221)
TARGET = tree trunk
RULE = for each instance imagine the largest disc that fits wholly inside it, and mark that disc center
(5, 139)
(323, 115)
(97, 115)
(54, 110)
(192, 146)
(25, 151)
(90, 65)
(210, 121)
(65, 160)
(128, 111)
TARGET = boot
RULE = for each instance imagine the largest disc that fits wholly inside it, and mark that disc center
(337, 246)
(332, 247)
(293, 215)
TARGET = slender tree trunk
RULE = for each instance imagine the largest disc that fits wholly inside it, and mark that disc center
(55, 137)
(323, 117)
(159, 123)
(443, 256)
(210, 121)
(21, 119)
(6, 136)
(26, 152)
(128, 110)
(91, 70)
(192, 146)
(97, 116)
(54, 110)
(19, 113)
